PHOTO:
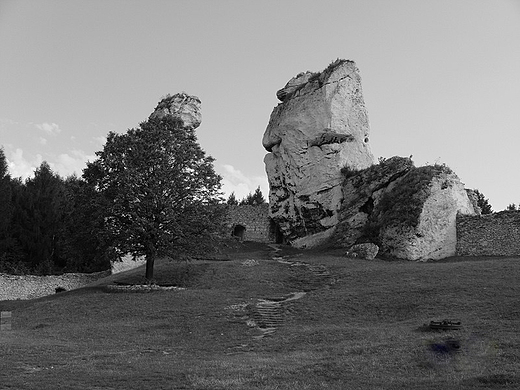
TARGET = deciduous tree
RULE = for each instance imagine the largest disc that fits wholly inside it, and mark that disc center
(162, 196)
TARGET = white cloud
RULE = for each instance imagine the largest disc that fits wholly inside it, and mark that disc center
(64, 164)
(233, 180)
(43, 141)
(7, 122)
(67, 164)
(49, 128)
(19, 166)
(100, 140)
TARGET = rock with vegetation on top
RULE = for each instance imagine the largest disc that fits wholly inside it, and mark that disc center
(181, 106)
(362, 190)
(409, 212)
(320, 126)
(421, 224)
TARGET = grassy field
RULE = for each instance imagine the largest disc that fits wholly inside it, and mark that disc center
(356, 327)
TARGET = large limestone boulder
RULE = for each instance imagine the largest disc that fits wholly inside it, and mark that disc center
(320, 126)
(181, 106)
(432, 234)
(409, 212)
(362, 191)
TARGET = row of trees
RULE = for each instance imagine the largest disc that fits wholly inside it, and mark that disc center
(150, 192)
(48, 224)
(253, 199)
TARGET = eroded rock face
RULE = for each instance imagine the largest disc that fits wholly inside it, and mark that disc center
(367, 251)
(410, 213)
(181, 106)
(320, 126)
(362, 192)
(434, 236)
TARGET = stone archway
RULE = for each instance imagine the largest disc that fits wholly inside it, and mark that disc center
(239, 231)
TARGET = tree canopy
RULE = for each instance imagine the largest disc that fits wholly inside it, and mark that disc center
(254, 199)
(161, 195)
(232, 200)
(483, 203)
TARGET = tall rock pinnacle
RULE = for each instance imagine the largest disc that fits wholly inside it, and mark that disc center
(181, 106)
(320, 126)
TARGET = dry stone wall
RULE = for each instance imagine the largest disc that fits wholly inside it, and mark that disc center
(251, 223)
(31, 286)
(489, 235)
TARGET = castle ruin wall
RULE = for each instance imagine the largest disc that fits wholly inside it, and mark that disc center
(495, 234)
(251, 223)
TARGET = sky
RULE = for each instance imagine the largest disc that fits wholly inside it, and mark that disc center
(440, 78)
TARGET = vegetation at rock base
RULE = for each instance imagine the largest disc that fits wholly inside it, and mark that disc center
(160, 191)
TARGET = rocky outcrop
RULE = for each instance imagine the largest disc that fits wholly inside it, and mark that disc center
(184, 107)
(362, 191)
(429, 231)
(320, 127)
(367, 251)
(410, 213)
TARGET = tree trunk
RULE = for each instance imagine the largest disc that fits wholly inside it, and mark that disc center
(149, 268)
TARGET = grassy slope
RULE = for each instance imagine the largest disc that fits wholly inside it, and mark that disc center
(358, 333)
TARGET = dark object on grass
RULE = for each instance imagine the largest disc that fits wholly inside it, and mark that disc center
(445, 325)
(60, 289)
(448, 347)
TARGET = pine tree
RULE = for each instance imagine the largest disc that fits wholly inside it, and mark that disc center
(6, 207)
(43, 210)
(232, 200)
(483, 203)
(255, 199)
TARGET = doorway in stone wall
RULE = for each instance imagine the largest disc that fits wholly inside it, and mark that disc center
(239, 231)
(275, 234)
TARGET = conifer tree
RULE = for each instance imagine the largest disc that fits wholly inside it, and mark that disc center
(5, 202)
(483, 203)
(232, 200)
(254, 199)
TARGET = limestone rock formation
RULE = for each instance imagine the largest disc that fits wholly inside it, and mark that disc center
(409, 212)
(181, 106)
(367, 251)
(432, 235)
(362, 190)
(320, 126)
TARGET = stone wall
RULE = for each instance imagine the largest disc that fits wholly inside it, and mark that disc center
(495, 234)
(31, 286)
(251, 223)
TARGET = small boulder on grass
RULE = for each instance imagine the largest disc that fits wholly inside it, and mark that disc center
(367, 251)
